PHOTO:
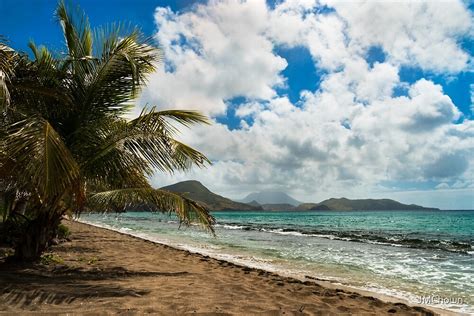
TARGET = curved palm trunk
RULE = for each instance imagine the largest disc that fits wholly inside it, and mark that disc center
(36, 237)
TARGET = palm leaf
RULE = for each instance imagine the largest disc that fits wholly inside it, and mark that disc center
(148, 139)
(76, 30)
(117, 76)
(186, 210)
(151, 119)
(44, 159)
(7, 63)
(185, 156)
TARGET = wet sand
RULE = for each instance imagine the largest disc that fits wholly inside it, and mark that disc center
(105, 272)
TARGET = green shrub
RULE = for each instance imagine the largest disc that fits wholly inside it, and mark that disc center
(63, 231)
(50, 258)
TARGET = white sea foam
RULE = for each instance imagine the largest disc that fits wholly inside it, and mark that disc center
(230, 226)
(291, 233)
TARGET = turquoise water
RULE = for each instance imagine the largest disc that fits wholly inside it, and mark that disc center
(405, 254)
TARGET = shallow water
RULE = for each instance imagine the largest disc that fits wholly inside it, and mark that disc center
(406, 254)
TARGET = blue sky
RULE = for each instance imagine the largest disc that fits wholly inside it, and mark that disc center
(300, 69)
(23, 21)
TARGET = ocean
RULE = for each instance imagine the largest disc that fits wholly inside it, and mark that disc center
(424, 257)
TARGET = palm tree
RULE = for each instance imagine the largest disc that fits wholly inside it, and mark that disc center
(65, 145)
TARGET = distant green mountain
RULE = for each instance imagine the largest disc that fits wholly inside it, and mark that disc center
(344, 204)
(253, 203)
(196, 191)
(312, 207)
(270, 197)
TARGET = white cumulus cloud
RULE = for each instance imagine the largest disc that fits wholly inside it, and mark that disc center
(347, 136)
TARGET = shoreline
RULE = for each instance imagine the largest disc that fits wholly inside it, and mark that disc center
(335, 285)
(110, 272)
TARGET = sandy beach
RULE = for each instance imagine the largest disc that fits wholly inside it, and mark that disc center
(105, 272)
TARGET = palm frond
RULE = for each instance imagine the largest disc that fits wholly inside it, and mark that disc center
(44, 159)
(7, 64)
(147, 141)
(79, 62)
(117, 76)
(42, 55)
(185, 156)
(185, 209)
(39, 86)
(76, 30)
(151, 119)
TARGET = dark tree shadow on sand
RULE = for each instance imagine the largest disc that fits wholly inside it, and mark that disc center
(27, 286)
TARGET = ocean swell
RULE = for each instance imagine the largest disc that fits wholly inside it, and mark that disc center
(396, 239)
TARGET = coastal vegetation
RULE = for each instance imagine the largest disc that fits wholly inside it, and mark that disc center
(65, 144)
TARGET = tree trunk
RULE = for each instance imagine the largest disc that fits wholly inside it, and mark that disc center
(36, 236)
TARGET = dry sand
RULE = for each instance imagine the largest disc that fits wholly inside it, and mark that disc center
(106, 272)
